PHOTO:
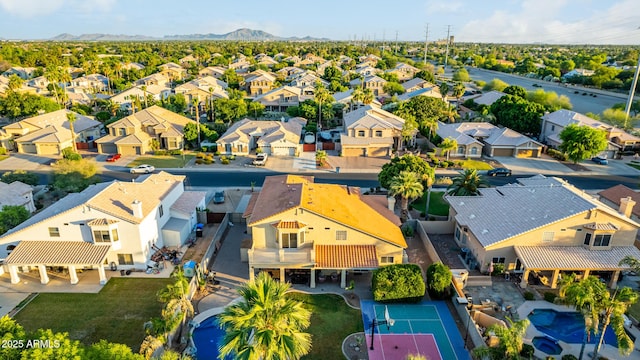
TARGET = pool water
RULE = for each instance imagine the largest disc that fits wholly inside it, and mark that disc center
(206, 338)
(567, 326)
(546, 345)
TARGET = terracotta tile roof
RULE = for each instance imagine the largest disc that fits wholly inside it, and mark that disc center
(188, 201)
(252, 203)
(101, 222)
(574, 257)
(289, 225)
(58, 253)
(346, 257)
(614, 194)
(601, 226)
(339, 203)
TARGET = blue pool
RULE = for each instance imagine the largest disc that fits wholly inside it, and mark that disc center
(567, 326)
(547, 345)
(206, 337)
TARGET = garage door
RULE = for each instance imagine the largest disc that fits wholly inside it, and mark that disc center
(502, 152)
(27, 148)
(284, 151)
(525, 153)
(107, 148)
(48, 149)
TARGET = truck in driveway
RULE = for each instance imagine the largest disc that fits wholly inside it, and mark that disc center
(260, 160)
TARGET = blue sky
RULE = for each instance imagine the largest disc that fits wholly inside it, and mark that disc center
(502, 21)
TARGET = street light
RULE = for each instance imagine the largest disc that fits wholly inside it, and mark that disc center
(387, 321)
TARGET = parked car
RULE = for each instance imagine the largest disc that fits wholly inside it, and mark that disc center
(260, 160)
(142, 169)
(218, 197)
(600, 160)
(499, 172)
(113, 157)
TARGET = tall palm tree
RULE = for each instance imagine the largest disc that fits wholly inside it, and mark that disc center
(65, 78)
(196, 105)
(322, 95)
(600, 308)
(510, 341)
(467, 184)
(356, 97)
(448, 144)
(409, 186)
(265, 324)
(458, 91)
(52, 74)
(71, 118)
(367, 96)
(444, 90)
(144, 93)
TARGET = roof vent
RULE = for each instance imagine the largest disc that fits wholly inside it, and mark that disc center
(484, 231)
(472, 216)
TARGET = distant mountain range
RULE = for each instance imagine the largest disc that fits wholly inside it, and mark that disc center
(240, 34)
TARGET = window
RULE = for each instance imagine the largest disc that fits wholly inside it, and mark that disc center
(101, 236)
(386, 259)
(602, 240)
(460, 149)
(587, 239)
(125, 259)
(547, 236)
(498, 260)
(114, 235)
(54, 232)
(378, 133)
(341, 235)
(160, 210)
(289, 240)
(553, 128)
(457, 233)
(474, 151)
(361, 133)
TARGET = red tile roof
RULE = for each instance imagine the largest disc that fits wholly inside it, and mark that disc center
(614, 194)
(346, 257)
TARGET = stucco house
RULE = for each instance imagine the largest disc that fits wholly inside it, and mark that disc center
(280, 99)
(373, 82)
(50, 133)
(487, 98)
(404, 71)
(616, 195)
(307, 232)
(91, 83)
(553, 229)
(200, 89)
(17, 194)
(271, 137)
(371, 131)
(416, 84)
(108, 225)
(215, 71)
(259, 82)
(25, 73)
(346, 98)
(134, 134)
(477, 138)
(126, 97)
(173, 71)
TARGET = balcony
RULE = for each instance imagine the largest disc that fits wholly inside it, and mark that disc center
(301, 257)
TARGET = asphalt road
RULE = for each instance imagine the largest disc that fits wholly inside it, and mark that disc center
(244, 179)
(581, 103)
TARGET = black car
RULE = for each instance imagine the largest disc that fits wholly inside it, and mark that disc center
(499, 172)
(218, 197)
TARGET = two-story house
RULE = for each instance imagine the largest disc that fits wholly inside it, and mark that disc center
(271, 137)
(50, 133)
(134, 134)
(371, 131)
(173, 71)
(404, 71)
(543, 228)
(112, 225)
(373, 82)
(259, 82)
(305, 230)
(280, 99)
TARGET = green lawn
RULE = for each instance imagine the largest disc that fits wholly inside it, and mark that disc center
(634, 164)
(332, 321)
(634, 310)
(437, 205)
(164, 161)
(475, 164)
(116, 313)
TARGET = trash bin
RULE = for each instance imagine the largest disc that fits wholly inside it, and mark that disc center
(189, 268)
(338, 169)
(199, 233)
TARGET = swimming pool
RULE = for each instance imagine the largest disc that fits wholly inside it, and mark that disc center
(547, 345)
(206, 338)
(567, 326)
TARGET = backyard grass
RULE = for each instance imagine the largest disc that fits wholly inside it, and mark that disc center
(634, 310)
(634, 164)
(164, 161)
(116, 314)
(476, 164)
(437, 205)
(331, 322)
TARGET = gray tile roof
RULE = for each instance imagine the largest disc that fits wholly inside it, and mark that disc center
(31, 252)
(574, 257)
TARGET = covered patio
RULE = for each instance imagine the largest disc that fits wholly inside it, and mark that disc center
(572, 259)
(44, 255)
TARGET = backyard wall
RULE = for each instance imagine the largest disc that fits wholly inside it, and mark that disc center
(214, 245)
(438, 227)
(424, 237)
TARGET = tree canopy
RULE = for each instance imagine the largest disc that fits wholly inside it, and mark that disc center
(518, 114)
(407, 162)
(581, 142)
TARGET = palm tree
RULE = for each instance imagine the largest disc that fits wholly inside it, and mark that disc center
(265, 324)
(71, 117)
(65, 77)
(15, 82)
(467, 184)
(356, 97)
(600, 308)
(322, 96)
(52, 74)
(428, 180)
(444, 90)
(367, 96)
(196, 105)
(510, 339)
(409, 186)
(144, 93)
(321, 157)
(447, 145)
(458, 91)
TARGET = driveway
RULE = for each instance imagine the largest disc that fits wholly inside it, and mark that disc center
(549, 166)
(26, 162)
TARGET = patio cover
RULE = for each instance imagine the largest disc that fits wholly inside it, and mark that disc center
(58, 253)
(574, 257)
(346, 257)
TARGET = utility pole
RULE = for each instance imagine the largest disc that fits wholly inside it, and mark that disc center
(383, 34)
(446, 54)
(631, 93)
(395, 52)
(426, 42)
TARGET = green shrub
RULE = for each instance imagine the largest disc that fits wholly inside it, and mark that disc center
(550, 297)
(3, 151)
(407, 230)
(20, 175)
(527, 351)
(498, 269)
(232, 157)
(200, 155)
(528, 295)
(204, 148)
(398, 283)
(451, 163)
(569, 357)
(559, 155)
(175, 152)
(223, 158)
(216, 153)
(444, 164)
(160, 152)
(69, 154)
(199, 161)
(208, 161)
(224, 161)
(438, 280)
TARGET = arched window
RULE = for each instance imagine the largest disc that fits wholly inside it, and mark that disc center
(460, 149)
(474, 151)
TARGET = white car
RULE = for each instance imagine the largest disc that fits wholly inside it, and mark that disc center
(142, 169)
(260, 160)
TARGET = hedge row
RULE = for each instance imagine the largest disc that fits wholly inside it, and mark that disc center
(398, 283)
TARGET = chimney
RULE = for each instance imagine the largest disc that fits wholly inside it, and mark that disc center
(136, 206)
(391, 203)
(626, 206)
